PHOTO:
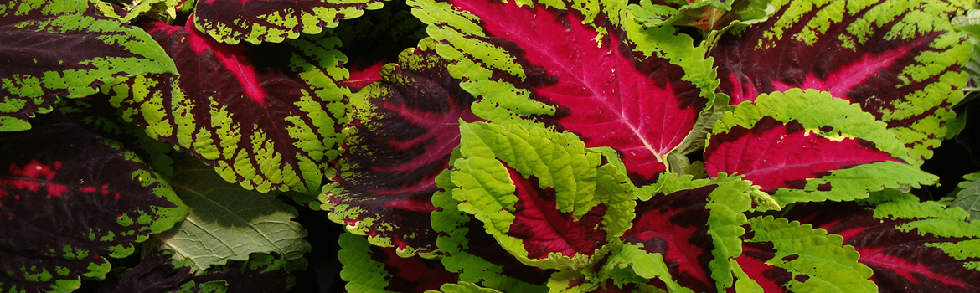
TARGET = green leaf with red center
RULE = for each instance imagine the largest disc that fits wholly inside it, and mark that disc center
(910, 246)
(369, 268)
(90, 50)
(402, 133)
(68, 200)
(576, 67)
(782, 256)
(255, 21)
(900, 60)
(547, 199)
(469, 251)
(809, 146)
(268, 117)
(685, 236)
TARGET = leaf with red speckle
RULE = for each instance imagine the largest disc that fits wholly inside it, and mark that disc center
(65, 48)
(402, 134)
(900, 60)
(543, 196)
(68, 200)
(369, 268)
(255, 21)
(585, 67)
(781, 145)
(266, 116)
(911, 246)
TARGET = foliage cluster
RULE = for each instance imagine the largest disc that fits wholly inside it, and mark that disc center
(488, 146)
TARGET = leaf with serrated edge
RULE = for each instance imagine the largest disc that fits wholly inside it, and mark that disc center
(69, 200)
(541, 194)
(90, 50)
(369, 268)
(809, 146)
(255, 21)
(900, 60)
(268, 121)
(576, 67)
(228, 223)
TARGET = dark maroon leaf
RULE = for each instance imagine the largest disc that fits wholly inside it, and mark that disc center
(68, 200)
(403, 132)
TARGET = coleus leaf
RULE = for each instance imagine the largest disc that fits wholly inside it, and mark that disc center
(69, 199)
(548, 200)
(705, 15)
(228, 223)
(474, 255)
(687, 234)
(783, 256)
(809, 146)
(900, 60)
(968, 199)
(90, 50)
(403, 131)
(910, 246)
(263, 126)
(369, 268)
(255, 21)
(159, 272)
(578, 67)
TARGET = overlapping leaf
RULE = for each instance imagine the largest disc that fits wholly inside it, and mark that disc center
(578, 67)
(228, 223)
(69, 199)
(910, 246)
(64, 48)
(685, 236)
(369, 268)
(159, 272)
(402, 134)
(255, 21)
(474, 255)
(259, 123)
(705, 15)
(898, 59)
(548, 201)
(780, 145)
(783, 256)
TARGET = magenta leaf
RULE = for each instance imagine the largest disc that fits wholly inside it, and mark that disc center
(237, 107)
(900, 60)
(910, 246)
(778, 144)
(402, 134)
(576, 71)
(69, 199)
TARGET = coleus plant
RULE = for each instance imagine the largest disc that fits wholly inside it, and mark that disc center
(472, 145)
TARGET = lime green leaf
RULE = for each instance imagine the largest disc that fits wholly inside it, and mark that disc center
(548, 200)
